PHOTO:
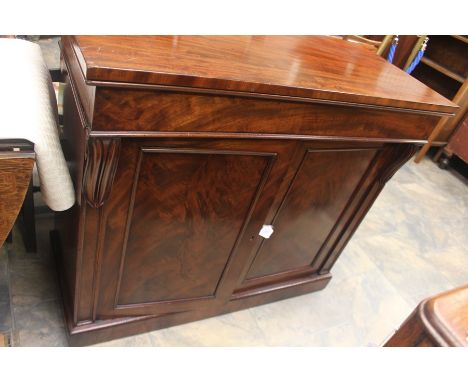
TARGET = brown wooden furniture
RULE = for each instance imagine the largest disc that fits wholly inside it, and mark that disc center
(379, 44)
(16, 164)
(458, 143)
(407, 48)
(441, 320)
(444, 68)
(183, 148)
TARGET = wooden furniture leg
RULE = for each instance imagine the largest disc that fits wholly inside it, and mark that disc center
(420, 155)
(459, 99)
(28, 220)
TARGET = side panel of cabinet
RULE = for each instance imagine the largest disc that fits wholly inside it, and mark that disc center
(178, 213)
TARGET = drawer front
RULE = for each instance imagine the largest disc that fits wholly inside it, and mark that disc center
(159, 112)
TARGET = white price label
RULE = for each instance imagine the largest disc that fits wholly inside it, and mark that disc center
(266, 231)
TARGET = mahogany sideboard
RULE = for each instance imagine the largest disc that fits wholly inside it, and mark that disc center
(182, 148)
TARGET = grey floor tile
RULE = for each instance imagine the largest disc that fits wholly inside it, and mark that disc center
(41, 337)
(6, 322)
(40, 324)
(235, 329)
(138, 340)
(32, 281)
(353, 261)
(373, 333)
(399, 261)
(452, 262)
(357, 301)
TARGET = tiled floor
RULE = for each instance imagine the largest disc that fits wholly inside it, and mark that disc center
(413, 243)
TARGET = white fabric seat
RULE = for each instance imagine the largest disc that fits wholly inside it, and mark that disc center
(29, 111)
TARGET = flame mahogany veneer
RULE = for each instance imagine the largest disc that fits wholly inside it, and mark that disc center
(182, 148)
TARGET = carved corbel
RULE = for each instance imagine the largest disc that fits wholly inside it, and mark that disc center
(101, 165)
(400, 155)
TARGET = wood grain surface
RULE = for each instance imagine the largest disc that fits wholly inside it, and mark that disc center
(150, 111)
(201, 199)
(302, 224)
(314, 67)
(15, 175)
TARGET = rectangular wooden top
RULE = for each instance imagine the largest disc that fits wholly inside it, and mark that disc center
(446, 316)
(322, 68)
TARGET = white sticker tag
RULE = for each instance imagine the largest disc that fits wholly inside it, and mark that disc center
(266, 231)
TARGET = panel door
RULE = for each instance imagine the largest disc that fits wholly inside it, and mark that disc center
(325, 189)
(179, 213)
